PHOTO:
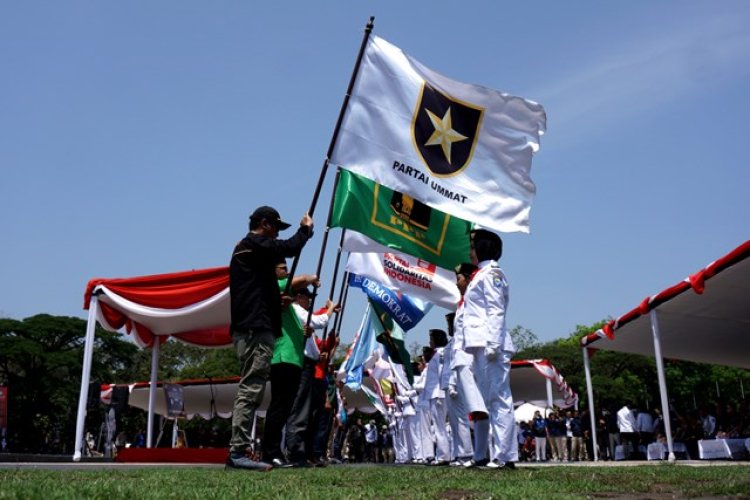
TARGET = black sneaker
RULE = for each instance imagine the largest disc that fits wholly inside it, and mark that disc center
(299, 464)
(243, 462)
(279, 463)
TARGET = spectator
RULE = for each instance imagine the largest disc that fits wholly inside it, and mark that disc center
(556, 426)
(577, 446)
(539, 430)
(371, 441)
(628, 435)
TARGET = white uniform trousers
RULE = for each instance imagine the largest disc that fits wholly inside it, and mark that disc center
(442, 444)
(468, 391)
(414, 437)
(458, 417)
(493, 379)
(400, 442)
(425, 431)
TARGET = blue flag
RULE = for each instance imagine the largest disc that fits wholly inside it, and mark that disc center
(405, 311)
(364, 344)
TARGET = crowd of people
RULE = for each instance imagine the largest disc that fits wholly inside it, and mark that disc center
(272, 331)
(565, 436)
(459, 409)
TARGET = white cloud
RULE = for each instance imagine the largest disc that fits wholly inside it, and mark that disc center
(650, 71)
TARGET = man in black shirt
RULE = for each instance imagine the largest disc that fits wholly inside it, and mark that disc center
(256, 318)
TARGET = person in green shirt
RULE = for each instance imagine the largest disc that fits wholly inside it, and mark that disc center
(286, 368)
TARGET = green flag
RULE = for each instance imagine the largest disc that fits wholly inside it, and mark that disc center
(392, 338)
(399, 221)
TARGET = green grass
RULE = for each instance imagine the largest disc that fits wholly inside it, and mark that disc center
(648, 481)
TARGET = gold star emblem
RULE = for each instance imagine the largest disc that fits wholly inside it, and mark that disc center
(444, 135)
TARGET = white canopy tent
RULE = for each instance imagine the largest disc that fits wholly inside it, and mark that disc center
(532, 381)
(192, 306)
(705, 318)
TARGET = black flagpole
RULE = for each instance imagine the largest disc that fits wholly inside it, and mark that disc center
(323, 251)
(343, 295)
(334, 137)
(335, 275)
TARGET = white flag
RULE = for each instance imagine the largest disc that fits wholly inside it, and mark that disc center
(460, 148)
(401, 272)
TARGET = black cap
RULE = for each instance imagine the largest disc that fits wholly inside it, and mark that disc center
(304, 291)
(271, 215)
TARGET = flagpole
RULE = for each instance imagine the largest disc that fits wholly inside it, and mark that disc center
(322, 252)
(343, 295)
(342, 112)
(335, 275)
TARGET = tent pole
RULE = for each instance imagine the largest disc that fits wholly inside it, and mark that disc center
(88, 354)
(550, 400)
(152, 392)
(662, 383)
(175, 432)
(592, 411)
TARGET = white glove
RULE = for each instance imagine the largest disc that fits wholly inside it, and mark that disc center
(490, 353)
(452, 392)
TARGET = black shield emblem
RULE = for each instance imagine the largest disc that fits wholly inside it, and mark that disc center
(411, 211)
(445, 131)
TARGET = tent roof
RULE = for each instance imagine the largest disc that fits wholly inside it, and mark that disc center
(527, 385)
(192, 306)
(704, 318)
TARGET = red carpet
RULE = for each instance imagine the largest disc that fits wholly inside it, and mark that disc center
(173, 455)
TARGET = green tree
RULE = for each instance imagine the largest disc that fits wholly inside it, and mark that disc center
(41, 363)
(523, 338)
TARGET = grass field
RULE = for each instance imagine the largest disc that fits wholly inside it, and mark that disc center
(390, 482)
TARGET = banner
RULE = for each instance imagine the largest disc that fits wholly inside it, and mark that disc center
(404, 311)
(460, 148)
(405, 273)
(399, 222)
(175, 401)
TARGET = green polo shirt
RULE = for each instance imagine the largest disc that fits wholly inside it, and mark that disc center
(290, 347)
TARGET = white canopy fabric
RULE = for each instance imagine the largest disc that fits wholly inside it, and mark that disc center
(208, 398)
(705, 318)
(526, 411)
(528, 383)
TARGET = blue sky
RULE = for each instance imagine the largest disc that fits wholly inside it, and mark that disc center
(136, 137)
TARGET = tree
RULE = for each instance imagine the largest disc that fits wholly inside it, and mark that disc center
(41, 362)
(523, 338)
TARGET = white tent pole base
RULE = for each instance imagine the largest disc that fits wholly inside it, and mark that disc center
(88, 354)
(662, 383)
(152, 393)
(592, 410)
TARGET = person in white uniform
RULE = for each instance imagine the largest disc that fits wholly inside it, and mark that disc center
(466, 387)
(436, 397)
(458, 414)
(487, 339)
